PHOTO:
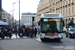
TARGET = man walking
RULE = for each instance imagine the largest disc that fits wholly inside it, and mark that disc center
(35, 31)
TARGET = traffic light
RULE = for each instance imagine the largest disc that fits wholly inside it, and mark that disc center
(32, 18)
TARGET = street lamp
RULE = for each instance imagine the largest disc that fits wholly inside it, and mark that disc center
(12, 20)
(13, 9)
(19, 13)
(13, 13)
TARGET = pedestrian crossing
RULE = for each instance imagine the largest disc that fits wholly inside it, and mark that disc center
(14, 36)
(38, 39)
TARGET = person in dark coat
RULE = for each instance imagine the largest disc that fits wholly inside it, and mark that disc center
(2, 30)
(21, 32)
(35, 31)
(31, 35)
(24, 30)
(6, 31)
(16, 32)
(28, 31)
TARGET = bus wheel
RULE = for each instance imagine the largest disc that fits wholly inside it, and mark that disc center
(43, 40)
(58, 39)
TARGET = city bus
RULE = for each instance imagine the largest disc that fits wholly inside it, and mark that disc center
(51, 26)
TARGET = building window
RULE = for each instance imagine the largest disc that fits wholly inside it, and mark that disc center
(66, 2)
(72, 9)
(69, 19)
(69, 1)
(72, 0)
(72, 19)
(66, 21)
(61, 5)
(63, 12)
(59, 11)
(66, 11)
(69, 10)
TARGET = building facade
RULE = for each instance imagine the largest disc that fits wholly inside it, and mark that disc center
(26, 18)
(64, 7)
(0, 9)
(7, 17)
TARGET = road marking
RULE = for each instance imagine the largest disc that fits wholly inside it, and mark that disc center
(14, 36)
(38, 39)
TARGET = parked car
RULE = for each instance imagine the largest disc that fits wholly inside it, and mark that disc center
(70, 32)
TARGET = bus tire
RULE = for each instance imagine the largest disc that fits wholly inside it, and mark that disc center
(58, 39)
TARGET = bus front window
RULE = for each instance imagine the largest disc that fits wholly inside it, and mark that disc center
(52, 26)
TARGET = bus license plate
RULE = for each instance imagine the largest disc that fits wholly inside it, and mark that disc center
(51, 37)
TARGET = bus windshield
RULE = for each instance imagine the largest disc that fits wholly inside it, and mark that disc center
(51, 26)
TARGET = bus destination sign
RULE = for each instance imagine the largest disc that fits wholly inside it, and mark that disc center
(50, 20)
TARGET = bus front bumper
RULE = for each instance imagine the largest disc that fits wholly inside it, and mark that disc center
(51, 37)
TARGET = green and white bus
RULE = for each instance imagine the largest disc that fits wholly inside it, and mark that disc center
(51, 26)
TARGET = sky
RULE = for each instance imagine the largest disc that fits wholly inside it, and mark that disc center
(25, 6)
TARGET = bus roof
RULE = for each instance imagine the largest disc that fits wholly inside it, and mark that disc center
(51, 15)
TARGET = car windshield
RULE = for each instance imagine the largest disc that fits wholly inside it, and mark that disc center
(72, 30)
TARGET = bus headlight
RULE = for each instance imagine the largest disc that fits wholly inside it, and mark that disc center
(42, 35)
(60, 35)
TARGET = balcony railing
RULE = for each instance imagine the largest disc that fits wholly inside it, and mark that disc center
(65, 5)
(57, 8)
(72, 3)
(69, 4)
(60, 7)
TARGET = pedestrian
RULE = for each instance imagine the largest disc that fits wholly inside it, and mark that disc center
(38, 30)
(28, 31)
(6, 31)
(24, 32)
(15, 32)
(10, 30)
(31, 35)
(2, 30)
(21, 32)
(35, 31)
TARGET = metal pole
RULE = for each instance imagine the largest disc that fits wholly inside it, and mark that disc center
(12, 14)
(19, 13)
